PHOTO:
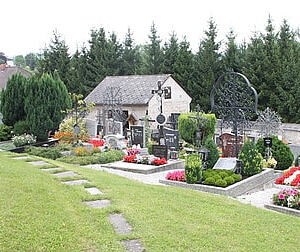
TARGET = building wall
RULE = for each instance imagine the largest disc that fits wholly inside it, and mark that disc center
(179, 102)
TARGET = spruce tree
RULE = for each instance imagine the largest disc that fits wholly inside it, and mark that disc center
(208, 67)
(170, 53)
(12, 100)
(153, 55)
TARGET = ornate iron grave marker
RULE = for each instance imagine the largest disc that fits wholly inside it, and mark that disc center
(113, 107)
(234, 101)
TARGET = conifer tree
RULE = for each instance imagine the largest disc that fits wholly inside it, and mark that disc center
(12, 100)
(170, 53)
(208, 67)
(153, 55)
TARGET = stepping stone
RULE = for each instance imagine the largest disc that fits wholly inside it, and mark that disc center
(120, 224)
(65, 174)
(38, 163)
(133, 245)
(51, 169)
(23, 157)
(97, 203)
(93, 191)
(76, 182)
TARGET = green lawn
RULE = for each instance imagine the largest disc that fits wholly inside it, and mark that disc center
(39, 214)
(7, 146)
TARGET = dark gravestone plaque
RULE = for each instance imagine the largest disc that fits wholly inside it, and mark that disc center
(138, 135)
(160, 151)
(172, 138)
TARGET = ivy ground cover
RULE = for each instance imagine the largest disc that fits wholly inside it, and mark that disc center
(37, 213)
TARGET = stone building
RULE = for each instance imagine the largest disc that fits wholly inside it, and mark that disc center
(137, 98)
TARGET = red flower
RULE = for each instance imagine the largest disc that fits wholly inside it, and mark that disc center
(129, 159)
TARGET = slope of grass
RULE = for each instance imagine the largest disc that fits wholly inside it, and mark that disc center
(38, 213)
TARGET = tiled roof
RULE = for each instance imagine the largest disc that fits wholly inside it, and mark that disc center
(8, 72)
(134, 89)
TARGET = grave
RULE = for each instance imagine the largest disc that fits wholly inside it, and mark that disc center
(172, 138)
(116, 141)
(138, 135)
(113, 127)
(226, 164)
(160, 151)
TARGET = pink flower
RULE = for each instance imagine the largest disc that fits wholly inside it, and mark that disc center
(281, 196)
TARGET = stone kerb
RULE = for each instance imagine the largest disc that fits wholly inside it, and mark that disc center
(282, 209)
(236, 189)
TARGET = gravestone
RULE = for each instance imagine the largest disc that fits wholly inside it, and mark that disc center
(226, 164)
(114, 127)
(228, 144)
(138, 135)
(116, 141)
(160, 151)
(172, 138)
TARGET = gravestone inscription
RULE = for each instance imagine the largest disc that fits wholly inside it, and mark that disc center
(160, 151)
(226, 164)
(138, 135)
(172, 138)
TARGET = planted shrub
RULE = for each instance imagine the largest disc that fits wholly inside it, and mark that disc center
(229, 180)
(209, 181)
(51, 153)
(213, 154)
(5, 132)
(221, 183)
(236, 177)
(187, 127)
(21, 127)
(252, 160)
(223, 174)
(193, 169)
(23, 140)
(81, 151)
(280, 151)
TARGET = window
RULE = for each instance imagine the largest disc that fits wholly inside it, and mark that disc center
(167, 92)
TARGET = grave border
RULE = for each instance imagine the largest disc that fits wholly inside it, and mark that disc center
(236, 189)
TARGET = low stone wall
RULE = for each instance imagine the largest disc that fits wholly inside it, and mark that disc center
(282, 209)
(236, 189)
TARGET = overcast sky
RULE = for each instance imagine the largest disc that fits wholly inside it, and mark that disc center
(27, 26)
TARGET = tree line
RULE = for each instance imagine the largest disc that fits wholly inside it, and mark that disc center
(270, 60)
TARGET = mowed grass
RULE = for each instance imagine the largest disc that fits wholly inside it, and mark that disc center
(39, 214)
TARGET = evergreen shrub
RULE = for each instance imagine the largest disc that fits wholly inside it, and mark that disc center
(229, 180)
(21, 127)
(213, 154)
(50, 152)
(221, 183)
(5, 132)
(252, 160)
(280, 151)
(209, 181)
(193, 169)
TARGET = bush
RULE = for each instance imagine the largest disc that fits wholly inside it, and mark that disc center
(252, 160)
(5, 132)
(95, 150)
(187, 126)
(193, 169)
(221, 183)
(68, 126)
(223, 174)
(23, 140)
(81, 151)
(99, 158)
(50, 152)
(213, 154)
(229, 180)
(207, 173)
(280, 151)
(236, 177)
(209, 181)
(21, 127)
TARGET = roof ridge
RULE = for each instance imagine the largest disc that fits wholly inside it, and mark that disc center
(137, 75)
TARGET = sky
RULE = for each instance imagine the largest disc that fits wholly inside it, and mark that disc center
(27, 26)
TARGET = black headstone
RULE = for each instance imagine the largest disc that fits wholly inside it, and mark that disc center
(160, 151)
(138, 135)
(172, 138)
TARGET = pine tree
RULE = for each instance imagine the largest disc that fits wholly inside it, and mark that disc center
(208, 67)
(153, 55)
(12, 100)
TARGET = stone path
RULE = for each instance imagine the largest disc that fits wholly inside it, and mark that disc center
(133, 245)
(65, 174)
(120, 224)
(51, 169)
(76, 182)
(93, 191)
(98, 203)
(21, 158)
(40, 162)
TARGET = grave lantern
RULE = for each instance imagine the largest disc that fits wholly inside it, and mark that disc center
(173, 153)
